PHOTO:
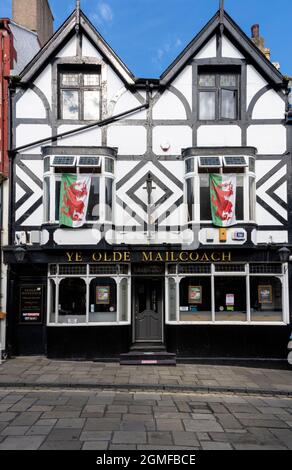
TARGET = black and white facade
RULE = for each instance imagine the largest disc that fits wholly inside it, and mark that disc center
(128, 275)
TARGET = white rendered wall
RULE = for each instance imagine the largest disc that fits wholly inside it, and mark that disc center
(169, 106)
(178, 137)
(27, 133)
(90, 137)
(269, 106)
(268, 139)
(126, 102)
(30, 106)
(69, 50)
(88, 50)
(77, 237)
(44, 83)
(209, 50)
(183, 83)
(254, 83)
(219, 136)
(130, 140)
(229, 50)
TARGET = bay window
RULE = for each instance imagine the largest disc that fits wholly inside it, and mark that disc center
(197, 187)
(100, 170)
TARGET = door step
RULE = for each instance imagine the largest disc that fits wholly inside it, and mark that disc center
(148, 358)
(148, 346)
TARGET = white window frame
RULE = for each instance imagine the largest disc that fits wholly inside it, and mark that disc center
(54, 177)
(283, 276)
(57, 278)
(195, 177)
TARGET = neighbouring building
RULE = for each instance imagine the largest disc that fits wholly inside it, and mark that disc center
(150, 218)
(18, 46)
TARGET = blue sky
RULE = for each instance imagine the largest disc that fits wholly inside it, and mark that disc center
(149, 34)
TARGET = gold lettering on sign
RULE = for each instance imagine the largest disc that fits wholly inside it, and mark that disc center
(127, 256)
(70, 256)
(204, 257)
(183, 256)
(147, 256)
(78, 257)
(215, 257)
(158, 257)
(117, 256)
(226, 256)
(194, 256)
(96, 257)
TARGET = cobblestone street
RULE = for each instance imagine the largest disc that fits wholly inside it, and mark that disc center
(115, 420)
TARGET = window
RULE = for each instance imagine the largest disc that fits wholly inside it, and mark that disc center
(218, 95)
(82, 294)
(100, 170)
(198, 170)
(79, 94)
(227, 293)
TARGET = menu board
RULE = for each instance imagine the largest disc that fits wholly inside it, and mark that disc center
(31, 304)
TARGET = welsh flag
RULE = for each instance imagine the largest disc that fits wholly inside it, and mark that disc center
(223, 198)
(74, 197)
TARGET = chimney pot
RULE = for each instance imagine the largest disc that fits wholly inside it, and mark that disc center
(255, 31)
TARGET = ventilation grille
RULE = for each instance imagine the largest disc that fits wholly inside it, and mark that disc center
(103, 269)
(230, 268)
(73, 269)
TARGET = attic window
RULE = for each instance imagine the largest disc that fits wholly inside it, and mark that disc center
(218, 94)
(79, 93)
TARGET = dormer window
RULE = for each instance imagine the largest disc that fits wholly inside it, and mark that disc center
(218, 94)
(79, 94)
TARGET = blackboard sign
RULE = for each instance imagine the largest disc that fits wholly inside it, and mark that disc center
(31, 304)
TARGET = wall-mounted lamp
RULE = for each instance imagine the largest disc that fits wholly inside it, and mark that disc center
(284, 254)
(20, 253)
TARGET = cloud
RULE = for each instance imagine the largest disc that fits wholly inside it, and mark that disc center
(104, 14)
(166, 48)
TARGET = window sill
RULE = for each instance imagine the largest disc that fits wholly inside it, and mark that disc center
(74, 325)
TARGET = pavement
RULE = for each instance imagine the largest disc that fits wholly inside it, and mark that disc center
(64, 405)
(43, 372)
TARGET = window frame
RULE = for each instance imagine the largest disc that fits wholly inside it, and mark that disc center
(217, 89)
(118, 277)
(195, 176)
(81, 71)
(52, 177)
(247, 274)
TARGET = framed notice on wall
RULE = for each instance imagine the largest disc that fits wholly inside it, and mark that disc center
(265, 294)
(31, 304)
(103, 295)
(195, 294)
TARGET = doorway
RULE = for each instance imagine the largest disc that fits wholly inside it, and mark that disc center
(148, 309)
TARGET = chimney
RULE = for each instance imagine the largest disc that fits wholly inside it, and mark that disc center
(259, 41)
(35, 15)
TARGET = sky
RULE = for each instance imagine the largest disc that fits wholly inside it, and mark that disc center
(149, 34)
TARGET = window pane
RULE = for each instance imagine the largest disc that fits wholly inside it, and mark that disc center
(252, 198)
(205, 206)
(207, 80)
(70, 79)
(52, 317)
(172, 299)
(93, 202)
(207, 105)
(109, 165)
(228, 104)
(265, 298)
(124, 300)
(190, 198)
(228, 80)
(47, 199)
(190, 165)
(230, 298)
(108, 198)
(239, 198)
(252, 164)
(57, 198)
(195, 299)
(91, 105)
(70, 104)
(103, 300)
(72, 301)
(91, 79)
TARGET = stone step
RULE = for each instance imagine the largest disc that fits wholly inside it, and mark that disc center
(148, 358)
